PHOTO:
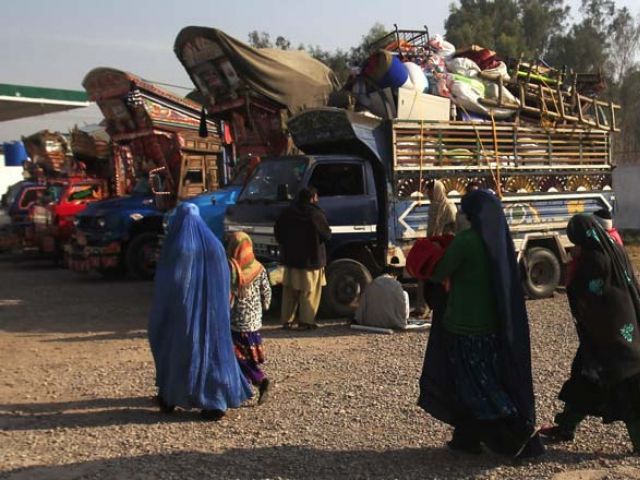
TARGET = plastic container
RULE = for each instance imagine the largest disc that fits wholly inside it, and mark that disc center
(14, 154)
(386, 70)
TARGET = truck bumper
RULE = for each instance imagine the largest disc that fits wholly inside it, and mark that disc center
(85, 258)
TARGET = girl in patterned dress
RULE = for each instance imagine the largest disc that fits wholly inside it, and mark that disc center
(251, 294)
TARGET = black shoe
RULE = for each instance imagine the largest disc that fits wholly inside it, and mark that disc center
(164, 407)
(556, 434)
(212, 415)
(287, 326)
(473, 448)
(263, 391)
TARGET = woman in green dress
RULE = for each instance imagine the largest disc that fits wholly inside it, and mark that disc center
(477, 369)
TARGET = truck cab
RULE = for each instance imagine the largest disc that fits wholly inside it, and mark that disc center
(53, 218)
(350, 199)
(16, 204)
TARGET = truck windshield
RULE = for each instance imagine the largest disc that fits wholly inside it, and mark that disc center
(269, 175)
(53, 193)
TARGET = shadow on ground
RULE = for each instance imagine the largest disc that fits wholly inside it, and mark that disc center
(288, 462)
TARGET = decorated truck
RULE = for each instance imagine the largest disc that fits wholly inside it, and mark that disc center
(16, 204)
(251, 92)
(69, 184)
(422, 110)
(371, 176)
(158, 159)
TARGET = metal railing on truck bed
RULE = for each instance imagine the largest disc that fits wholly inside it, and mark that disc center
(506, 157)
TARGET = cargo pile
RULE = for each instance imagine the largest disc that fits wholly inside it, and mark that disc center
(411, 75)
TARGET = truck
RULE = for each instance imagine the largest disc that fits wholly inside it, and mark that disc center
(16, 204)
(158, 159)
(371, 176)
(69, 185)
(250, 92)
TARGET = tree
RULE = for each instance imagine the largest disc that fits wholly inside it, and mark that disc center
(357, 55)
(491, 24)
(625, 32)
(260, 39)
(627, 142)
(582, 49)
(282, 43)
(541, 21)
(337, 61)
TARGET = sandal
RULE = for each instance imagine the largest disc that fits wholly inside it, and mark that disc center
(555, 433)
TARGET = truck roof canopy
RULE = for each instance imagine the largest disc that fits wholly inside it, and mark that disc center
(222, 66)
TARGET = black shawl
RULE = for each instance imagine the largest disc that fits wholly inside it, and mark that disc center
(605, 300)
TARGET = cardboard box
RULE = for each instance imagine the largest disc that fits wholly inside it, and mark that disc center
(414, 105)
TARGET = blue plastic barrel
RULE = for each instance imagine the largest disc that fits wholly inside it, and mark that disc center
(396, 76)
(14, 154)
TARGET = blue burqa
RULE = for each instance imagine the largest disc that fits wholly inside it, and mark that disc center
(189, 327)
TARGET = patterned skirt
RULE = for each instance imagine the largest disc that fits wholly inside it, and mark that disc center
(250, 354)
(473, 360)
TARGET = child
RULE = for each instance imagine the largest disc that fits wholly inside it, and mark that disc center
(251, 294)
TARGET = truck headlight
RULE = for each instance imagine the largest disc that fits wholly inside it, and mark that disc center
(101, 222)
(76, 221)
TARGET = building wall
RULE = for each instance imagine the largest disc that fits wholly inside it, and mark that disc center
(626, 184)
(8, 175)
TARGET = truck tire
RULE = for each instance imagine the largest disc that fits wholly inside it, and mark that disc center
(140, 257)
(541, 273)
(346, 280)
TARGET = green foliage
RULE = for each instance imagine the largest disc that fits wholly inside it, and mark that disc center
(541, 20)
(492, 24)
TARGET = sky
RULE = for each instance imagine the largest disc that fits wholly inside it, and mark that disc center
(54, 43)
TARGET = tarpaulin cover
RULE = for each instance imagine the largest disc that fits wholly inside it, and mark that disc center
(291, 78)
(189, 328)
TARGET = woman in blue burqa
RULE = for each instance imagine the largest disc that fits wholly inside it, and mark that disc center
(477, 369)
(189, 328)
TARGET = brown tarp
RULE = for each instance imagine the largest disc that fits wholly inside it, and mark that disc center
(291, 78)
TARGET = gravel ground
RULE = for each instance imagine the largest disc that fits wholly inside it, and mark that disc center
(76, 387)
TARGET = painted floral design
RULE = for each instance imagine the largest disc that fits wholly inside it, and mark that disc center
(627, 332)
(596, 286)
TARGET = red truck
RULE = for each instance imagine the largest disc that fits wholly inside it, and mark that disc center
(53, 217)
(70, 185)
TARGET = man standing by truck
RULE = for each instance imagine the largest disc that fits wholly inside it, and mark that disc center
(302, 231)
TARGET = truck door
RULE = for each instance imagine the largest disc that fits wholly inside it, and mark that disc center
(347, 195)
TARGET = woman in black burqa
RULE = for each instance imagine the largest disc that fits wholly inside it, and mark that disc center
(505, 423)
(604, 298)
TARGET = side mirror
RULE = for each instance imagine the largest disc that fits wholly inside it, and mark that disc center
(282, 194)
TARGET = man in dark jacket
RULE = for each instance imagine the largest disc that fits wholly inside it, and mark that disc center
(302, 231)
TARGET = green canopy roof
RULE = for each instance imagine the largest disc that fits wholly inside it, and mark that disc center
(20, 101)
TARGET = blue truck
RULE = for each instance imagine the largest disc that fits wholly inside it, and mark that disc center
(158, 159)
(371, 176)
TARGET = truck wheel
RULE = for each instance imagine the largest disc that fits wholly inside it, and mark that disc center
(542, 273)
(140, 256)
(346, 280)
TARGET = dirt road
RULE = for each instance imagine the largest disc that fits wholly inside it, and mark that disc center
(76, 387)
